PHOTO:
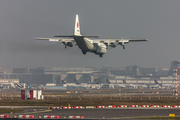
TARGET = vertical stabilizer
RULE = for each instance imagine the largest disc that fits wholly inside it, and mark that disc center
(124, 81)
(156, 82)
(109, 73)
(77, 27)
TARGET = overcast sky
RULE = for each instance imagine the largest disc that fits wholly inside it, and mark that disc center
(23, 20)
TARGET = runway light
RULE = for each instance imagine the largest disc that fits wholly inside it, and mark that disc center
(39, 116)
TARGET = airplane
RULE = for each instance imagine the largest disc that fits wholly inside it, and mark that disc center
(110, 76)
(149, 85)
(133, 85)
(89, 43)
(167, 85)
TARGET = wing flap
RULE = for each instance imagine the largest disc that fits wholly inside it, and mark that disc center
(78, 36)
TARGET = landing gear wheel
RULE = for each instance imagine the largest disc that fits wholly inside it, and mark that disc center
(84, 52)
(101, 55)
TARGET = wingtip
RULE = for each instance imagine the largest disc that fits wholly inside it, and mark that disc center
(36, 38)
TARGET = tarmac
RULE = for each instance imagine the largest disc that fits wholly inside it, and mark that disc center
(101, 113)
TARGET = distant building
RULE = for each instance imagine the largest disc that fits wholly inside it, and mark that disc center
(20, 70)
(31, 94)
(42, 75)
(61, 75)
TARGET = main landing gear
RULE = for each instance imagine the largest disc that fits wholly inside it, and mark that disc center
(84, 52)
(100, 55)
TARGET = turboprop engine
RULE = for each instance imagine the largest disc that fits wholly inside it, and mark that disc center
(110, 44)
(68, 44)
(122, 44)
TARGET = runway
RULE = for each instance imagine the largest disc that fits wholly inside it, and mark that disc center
(114, 113)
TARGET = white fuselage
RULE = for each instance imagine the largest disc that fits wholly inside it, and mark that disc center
(88, 45)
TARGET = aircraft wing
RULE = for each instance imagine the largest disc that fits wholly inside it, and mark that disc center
(121, 40)
(137, 40)
(57, 39)
(114, 42)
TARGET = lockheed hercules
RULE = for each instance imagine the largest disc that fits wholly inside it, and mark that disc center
(90, 43)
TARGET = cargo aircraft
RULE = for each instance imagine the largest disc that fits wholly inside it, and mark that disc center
(89, 43)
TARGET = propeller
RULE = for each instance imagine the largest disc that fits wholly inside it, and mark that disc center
(122, 44)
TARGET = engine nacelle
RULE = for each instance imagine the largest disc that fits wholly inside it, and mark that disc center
(121, 43)
(68, 44)
(110, 44)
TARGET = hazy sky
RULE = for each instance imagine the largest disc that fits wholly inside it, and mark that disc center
(23, 20)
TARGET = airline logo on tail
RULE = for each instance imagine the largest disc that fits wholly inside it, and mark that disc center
(77, 27)
(77, 24)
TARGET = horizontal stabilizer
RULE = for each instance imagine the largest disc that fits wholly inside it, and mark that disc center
(63, 35)
(91, 36)
(75, 35)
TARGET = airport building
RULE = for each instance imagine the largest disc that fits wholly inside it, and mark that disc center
(56, 75)
(76, 76)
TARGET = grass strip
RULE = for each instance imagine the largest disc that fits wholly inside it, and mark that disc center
(9, 110)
